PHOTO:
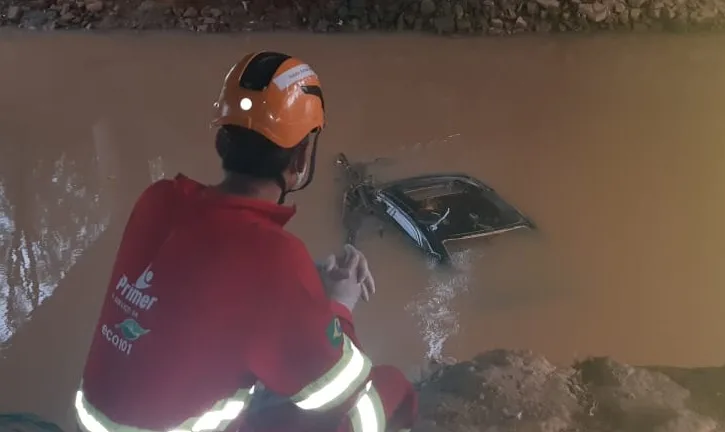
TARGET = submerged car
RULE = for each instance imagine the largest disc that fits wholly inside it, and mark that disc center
(431, 210)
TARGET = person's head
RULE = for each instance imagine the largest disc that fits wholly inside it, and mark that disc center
(269, 115)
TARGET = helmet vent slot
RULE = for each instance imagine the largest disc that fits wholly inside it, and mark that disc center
(315, 91)
(260, 70)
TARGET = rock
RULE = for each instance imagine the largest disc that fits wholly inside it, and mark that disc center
(458, 11)
(678, 23)
(445, 24)
(322, 25)
(595, 12)
(705, 15)
(401, 22)
(548, 4)
(464, 25)
(427, 7)
(14, 13)
(509, 391)
(493, 17)
(624, 18)
(34, 19)
(191, 12)
(502, 391)
(543, 26)
(107, 22)
(94, 6)
(148, 5)
(636, 3)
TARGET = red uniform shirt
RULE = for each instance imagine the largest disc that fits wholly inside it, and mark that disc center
(211, 300)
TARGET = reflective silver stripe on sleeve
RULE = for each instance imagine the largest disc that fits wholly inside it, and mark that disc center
(339, 383)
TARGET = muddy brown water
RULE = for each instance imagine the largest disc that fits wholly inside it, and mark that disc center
(615, 146)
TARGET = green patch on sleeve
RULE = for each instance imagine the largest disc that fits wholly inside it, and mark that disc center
(334, 332)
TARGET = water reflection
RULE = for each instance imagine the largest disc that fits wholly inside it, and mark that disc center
(48, 217)
(433, 307)
(156, 169)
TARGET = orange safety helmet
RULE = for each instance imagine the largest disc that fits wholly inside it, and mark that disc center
(273, 94)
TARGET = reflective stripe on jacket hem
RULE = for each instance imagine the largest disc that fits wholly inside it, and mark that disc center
(217, 418)
(368, 414)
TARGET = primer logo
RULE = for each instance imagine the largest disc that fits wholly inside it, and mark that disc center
(132, 294)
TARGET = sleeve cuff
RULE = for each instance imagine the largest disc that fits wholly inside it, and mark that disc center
(341, 311)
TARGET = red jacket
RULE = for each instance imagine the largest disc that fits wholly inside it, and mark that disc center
(210, 305)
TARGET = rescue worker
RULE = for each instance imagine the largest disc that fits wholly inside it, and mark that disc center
(216, 318)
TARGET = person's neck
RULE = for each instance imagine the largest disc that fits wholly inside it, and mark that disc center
(253, 188)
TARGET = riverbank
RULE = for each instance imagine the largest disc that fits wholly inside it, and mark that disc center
(507, 391)
(445, 17)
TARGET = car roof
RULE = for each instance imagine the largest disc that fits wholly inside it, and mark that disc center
(432, 179)
(485, 194)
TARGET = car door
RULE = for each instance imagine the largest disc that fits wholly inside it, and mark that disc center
(402, 220)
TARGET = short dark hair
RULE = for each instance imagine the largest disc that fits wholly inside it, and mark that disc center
(244, 151)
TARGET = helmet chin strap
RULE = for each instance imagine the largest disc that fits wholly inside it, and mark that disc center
(300, 176)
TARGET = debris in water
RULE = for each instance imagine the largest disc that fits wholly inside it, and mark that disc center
(156, 169)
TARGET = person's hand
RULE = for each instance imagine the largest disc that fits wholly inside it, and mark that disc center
(341, 282)
(347, 277)
(342, 266)
(362, 271)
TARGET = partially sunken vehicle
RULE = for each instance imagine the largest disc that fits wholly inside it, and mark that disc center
(431, 210)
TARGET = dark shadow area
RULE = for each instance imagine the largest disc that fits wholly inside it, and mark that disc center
(26, 422)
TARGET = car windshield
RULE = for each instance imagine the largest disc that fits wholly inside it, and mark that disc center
(454, 208)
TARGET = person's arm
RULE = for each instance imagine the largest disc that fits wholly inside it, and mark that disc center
(302, 353)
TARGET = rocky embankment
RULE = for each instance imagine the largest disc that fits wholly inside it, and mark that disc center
(464, 17)
(518, 391)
